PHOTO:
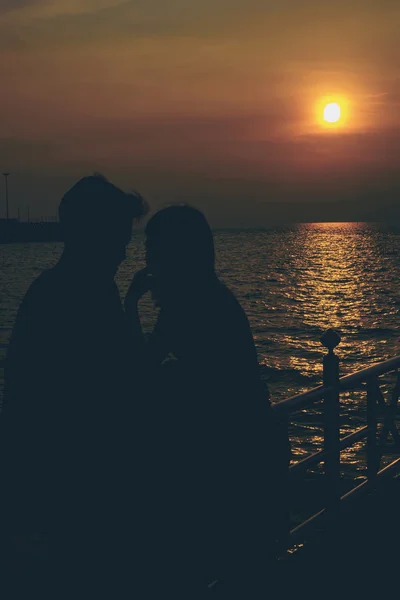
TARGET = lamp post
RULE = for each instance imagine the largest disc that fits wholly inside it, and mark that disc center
(6, 180)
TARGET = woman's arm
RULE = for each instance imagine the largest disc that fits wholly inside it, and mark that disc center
(156, 347)
(158, 343)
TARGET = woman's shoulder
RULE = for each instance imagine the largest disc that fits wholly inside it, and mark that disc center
(227, 304)
(214, 309)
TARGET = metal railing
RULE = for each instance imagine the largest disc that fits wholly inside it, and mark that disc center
(376, 436)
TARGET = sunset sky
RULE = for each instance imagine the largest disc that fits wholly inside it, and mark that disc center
(214, 102)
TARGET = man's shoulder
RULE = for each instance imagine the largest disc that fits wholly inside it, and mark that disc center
(48, 278)
(42, 289)
(34, 321)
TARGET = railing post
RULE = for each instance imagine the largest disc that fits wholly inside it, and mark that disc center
(372, 447)
(330, 340)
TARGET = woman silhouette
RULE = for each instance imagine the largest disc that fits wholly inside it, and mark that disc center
(218, 441)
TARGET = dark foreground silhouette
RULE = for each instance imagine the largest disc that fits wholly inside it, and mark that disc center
(125, 475)
(72, 386)
(224, 460)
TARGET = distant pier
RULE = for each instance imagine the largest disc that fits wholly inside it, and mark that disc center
(16, 231)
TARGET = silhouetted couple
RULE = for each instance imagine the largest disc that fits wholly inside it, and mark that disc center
(147, 468)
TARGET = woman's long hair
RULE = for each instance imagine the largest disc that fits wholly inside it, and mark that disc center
(180, 243)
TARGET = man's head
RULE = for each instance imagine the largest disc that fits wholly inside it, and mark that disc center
(96, 220)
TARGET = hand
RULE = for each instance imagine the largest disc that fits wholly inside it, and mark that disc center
(141, 283)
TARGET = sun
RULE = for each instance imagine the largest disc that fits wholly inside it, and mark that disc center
(332, 112)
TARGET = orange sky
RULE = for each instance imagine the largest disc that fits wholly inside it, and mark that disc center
(201, 100)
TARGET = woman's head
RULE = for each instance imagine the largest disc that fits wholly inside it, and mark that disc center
(180, 245)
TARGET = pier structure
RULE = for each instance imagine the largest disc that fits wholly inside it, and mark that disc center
(6, 175)
(380, 432)
(344, 534)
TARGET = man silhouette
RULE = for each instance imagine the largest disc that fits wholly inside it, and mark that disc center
(68, 415)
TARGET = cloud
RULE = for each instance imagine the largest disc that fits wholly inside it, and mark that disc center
(208, 162)
(13, 5)
(307, 31)
(18, 153)
(52, 8)
(209, 147)
(282, 21)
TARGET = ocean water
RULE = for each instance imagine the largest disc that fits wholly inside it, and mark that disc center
(293, 283)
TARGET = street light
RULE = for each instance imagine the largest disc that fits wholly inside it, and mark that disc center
(6, 179)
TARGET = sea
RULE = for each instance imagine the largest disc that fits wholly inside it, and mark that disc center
(294, 283)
